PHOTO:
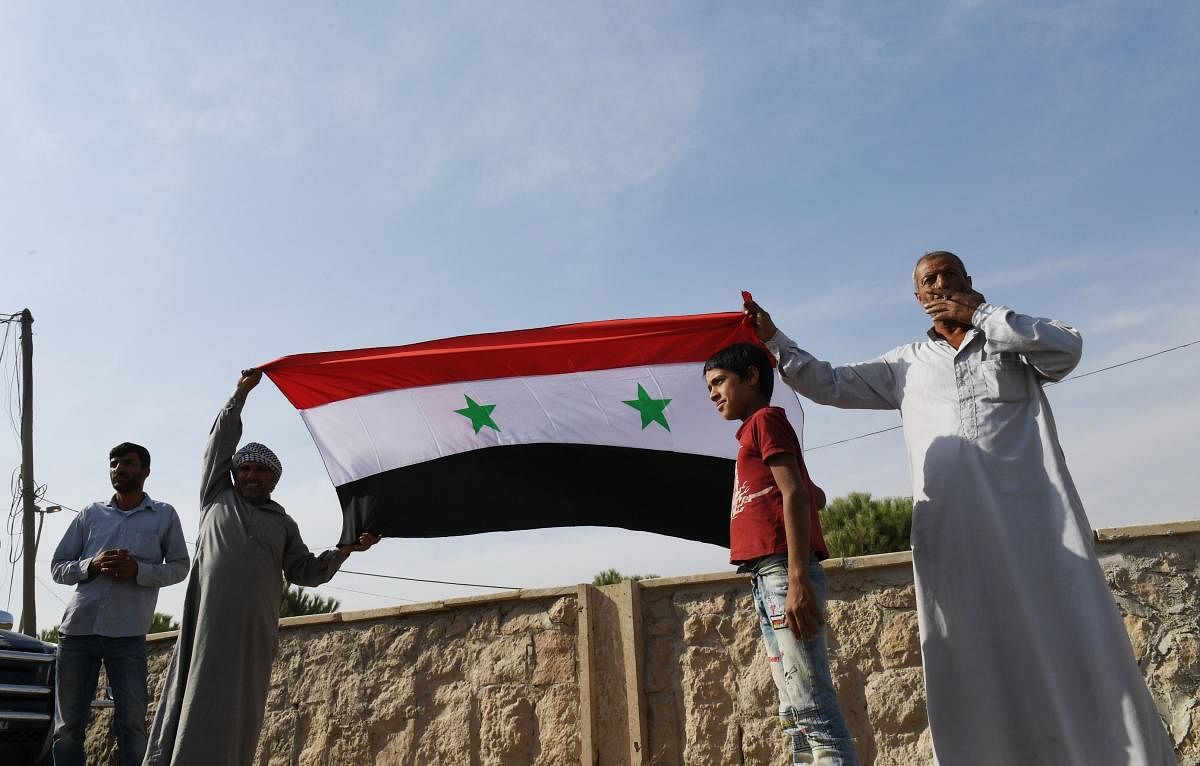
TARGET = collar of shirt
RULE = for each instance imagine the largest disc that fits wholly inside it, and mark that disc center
(147, 504)
(936, 338)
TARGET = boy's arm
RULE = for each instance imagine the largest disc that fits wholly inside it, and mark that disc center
(803, 611)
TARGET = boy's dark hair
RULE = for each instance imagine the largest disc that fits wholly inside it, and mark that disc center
(739, 358)
(124, 448)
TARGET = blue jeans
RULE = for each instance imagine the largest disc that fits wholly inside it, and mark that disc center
(808, 705)
(76, 674)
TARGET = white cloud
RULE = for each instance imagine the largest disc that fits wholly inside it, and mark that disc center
(233, 97)
(543, 110)
(1124, 319)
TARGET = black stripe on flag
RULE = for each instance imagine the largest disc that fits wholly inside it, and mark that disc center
(529, 486)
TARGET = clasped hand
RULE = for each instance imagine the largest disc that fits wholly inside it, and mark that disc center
(115, 563)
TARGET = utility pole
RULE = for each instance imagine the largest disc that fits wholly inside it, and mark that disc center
(28, 605)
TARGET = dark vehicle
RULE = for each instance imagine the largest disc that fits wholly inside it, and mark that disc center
(26, 696)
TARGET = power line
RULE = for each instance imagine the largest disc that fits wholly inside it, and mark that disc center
(366, 593)
(42, 488)
(410, 579)
(1064, 380)
(1130, 361)
(854, 438)
(49, 590)
(418, 579)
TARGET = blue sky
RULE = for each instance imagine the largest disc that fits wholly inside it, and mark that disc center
(185, 192)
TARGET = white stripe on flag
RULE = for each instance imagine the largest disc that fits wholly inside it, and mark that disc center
(371, 434)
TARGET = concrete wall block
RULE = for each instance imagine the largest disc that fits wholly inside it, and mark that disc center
(498, 680)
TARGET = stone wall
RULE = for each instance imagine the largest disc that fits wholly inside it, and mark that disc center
(666, 671)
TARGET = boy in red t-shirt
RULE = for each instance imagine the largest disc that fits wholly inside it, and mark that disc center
(775, 536)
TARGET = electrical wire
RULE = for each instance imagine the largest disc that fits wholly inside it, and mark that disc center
(853, 438)
(60, 505)
(49, 590)
(12, 382)
(418, 579)
(1129, 361)
(327, 586)
(410, 579)
(1053, 382)
(42, 488)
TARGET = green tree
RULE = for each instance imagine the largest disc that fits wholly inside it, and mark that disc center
(613, 576)
(296, 602)
(50, 634)
(162, 623)
(857, 525)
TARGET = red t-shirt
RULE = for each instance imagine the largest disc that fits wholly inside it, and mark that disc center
(756, 519)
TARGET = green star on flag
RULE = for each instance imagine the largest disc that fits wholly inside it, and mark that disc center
(649, 408)
(480, 415)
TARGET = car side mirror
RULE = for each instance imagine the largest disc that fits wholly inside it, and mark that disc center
(6, 620)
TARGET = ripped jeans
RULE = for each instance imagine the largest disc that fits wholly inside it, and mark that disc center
(808, 705)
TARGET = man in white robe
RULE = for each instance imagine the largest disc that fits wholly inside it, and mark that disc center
(1025, 655)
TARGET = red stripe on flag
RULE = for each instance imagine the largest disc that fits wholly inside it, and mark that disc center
(310, 380)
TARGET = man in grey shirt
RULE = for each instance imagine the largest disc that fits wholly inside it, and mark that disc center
(117, 553)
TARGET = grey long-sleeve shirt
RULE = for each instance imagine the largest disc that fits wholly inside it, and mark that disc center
(101, 605)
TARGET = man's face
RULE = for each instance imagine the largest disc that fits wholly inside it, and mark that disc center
(734, 395)
(127, 473)
(937, 276)
(254, 482)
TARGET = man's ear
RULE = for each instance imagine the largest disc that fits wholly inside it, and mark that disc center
(752, 376)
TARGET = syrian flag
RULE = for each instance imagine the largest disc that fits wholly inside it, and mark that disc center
(599, 423)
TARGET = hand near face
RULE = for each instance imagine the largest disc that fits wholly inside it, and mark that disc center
(953, 307)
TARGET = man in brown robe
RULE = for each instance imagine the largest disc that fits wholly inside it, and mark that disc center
(212, 703)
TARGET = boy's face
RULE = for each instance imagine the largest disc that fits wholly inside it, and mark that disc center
(736, 397)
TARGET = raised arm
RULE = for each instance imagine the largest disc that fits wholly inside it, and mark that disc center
(223, 440)
(1051, 347)
(868, 386)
